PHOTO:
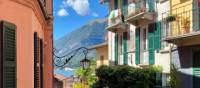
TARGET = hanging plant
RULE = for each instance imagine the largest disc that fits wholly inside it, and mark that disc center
(171, 18)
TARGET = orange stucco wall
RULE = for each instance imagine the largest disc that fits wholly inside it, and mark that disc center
(28, 19)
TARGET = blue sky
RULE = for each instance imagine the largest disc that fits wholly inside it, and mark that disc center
(72, 14)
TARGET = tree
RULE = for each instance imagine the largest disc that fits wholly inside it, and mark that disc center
(89, 74)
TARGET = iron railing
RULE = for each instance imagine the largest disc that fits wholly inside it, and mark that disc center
(140, 6)
(180, 21)
(115, 17)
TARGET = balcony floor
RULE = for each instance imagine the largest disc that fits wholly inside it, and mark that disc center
(117, 27)
(147, 16)
(186, 39)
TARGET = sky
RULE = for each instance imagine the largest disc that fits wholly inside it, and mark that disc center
(72, 14)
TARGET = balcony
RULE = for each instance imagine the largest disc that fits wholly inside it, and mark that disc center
(115, 21)
(140, 11)
(184, 25)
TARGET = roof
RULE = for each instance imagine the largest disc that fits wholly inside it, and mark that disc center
(59, 77)
(99, 45)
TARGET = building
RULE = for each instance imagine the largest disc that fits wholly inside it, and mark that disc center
(61, 81)
(134, 36)
(26, 43)
(101, 54)
(184, 36)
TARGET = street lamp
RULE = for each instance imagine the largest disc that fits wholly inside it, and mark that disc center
(85, 63)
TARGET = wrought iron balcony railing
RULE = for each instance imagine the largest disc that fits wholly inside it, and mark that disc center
(182, 22)
(116, 21)
(141, 10)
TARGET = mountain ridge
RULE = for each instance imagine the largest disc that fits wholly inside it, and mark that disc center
(87, 35)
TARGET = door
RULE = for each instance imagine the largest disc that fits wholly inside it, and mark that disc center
(144, 46)
(196, 69)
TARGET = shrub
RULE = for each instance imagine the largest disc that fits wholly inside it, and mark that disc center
(126, 77)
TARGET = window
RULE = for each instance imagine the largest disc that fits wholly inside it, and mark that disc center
(144, 46)
(120, 44)
(8, 55)
(131, 39)
(143, 41)
(102, 60)
(164, 33)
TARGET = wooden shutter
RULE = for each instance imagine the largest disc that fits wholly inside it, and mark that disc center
(36, 61)
(116, 49)
(151, 29)
(137, 48)
(116, 4)
(151, 4)
(125, 7)
(8, 55)
(1, 54)
(195, 16)
(196, 69)
(157, 36)
(41, 64)
(125, 55)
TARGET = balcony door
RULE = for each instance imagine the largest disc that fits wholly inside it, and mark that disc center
(144, 56)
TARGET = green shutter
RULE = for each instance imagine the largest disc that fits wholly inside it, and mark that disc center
(125, 54)
(125, 7)
(116, 49)
(196, 77)
(151, 29)
(151, 4)
(137, 49)
(157, 36)
(116, 4)
(195, 16)
(8, 55)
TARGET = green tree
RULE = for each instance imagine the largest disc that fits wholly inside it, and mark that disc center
(89, 74)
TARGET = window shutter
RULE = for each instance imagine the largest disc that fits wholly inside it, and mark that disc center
(1, 54)
(116, 49)
(116, 4)
(125, 55)
(125, 7)
(157, 36)
(151, 29)
(41, 64)
(195, 15)
(137, 48)
(8, 55)
(36, 60)
(151, 4)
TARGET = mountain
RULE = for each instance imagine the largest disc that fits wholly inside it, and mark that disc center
(88, 35)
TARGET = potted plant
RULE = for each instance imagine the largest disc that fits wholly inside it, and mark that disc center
(186, 25)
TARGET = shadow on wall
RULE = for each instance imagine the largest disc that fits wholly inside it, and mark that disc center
(184, 59)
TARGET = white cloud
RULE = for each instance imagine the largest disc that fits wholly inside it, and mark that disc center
(95, 14)
(62, 12)
(80, 6)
